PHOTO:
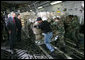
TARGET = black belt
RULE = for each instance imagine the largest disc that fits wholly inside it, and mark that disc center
(47, 32)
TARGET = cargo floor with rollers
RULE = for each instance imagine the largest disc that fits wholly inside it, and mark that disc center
(26, 51)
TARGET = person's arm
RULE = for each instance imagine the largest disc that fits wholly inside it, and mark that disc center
(17, 24)
(21, 25)
(9, 26)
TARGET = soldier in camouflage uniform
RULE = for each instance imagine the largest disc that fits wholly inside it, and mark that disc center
(59, 27)
(72, 28)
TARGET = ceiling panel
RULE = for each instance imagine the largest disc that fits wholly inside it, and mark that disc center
(18, 2)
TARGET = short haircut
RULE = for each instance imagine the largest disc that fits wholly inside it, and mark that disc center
(9, 15)
(39, 19)
(18, 14)
(12, 13)
(58, 18)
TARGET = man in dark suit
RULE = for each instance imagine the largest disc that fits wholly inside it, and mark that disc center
(19, 26)
(12, 30)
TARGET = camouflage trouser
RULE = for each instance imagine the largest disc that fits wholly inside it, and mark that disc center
(74, 36)
(61, 42)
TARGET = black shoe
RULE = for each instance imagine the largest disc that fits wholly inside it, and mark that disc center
(54, 55)
(63, 49)
(77, 47)
(57, 55)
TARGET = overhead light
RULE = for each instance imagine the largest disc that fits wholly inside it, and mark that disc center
(56, 2)
(30, 10)
(82, 4)
(40, 7)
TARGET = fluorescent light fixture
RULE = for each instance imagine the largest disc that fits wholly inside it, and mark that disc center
(82, 4)
(40, 7)
(56, 2)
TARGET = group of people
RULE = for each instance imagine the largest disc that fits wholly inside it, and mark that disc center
(14, 27)
(61, 26)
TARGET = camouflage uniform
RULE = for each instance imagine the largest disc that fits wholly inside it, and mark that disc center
(59, 27)
(61, 31)
(72, 28)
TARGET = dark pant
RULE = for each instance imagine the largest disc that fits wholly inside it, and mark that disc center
(12, 40)
(19, 35)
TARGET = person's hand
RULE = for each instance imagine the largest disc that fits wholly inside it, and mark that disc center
(17, 29)
(9, 31)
